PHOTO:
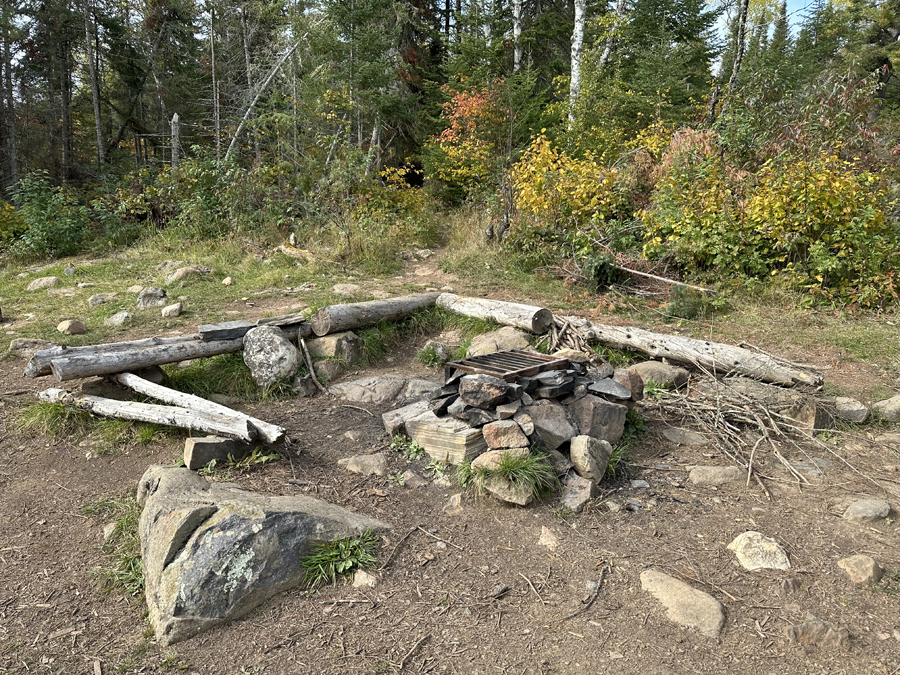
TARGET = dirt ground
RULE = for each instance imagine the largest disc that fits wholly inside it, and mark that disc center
(432, 609)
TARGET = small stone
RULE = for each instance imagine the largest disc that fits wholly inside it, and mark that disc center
(868, 510)
(492, 459)
(72, 327)
(100, 299)
(576, 492)
(119, 319)
(684, 437)
(861, 569)
(42, 283)
(589, 457)
(504, 434)
(198, 452)
(365, 465)
(151, 297)
(507, 411)
(716, 475)
(362, 579)
(483, 391)
(525, 422)
(499, 591)
(69, 270)
(137, 288)
(755, 551)
(630, 378)
(108, 531)
(413, 480)
(345, 290)
(453, 507)
(171, 311)
(850, 409)
(85, 284)
(818, 633)
(548, 539)
(640, 484)
(685, 605)
(353, 435)
(228, 281)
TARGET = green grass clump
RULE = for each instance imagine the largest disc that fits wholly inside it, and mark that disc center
(532, 473)
(226, 374)
(254, 460)
(340, 558)
(429, 357)
(124, 572)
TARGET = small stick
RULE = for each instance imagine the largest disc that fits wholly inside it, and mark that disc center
(590, 601)
(309, 364)
(750, 463)
(434, 536)
(405, 537)
(764, 489)
(356, 407)
(533, 588)
(409, 653)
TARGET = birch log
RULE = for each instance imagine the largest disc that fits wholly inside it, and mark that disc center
(269, 433)
(530, 318)
(218, 425)
(337, 318)
(713, 356)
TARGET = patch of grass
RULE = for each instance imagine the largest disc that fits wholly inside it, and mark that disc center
(889, 584)
(172, 661)
(249, 462)
(617, 358)
(375, 347)
(225, 374)
(619, 464)
(340, 558)
(124, 572)
(654, 391)
(532, 473)
(408, 447)
(429, 357)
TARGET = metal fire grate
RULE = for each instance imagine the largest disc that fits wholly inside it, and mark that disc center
(507, 365)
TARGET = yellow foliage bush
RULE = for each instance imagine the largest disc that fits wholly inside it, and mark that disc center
(12, 224)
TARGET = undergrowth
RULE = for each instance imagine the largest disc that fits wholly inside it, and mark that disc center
(339, 558)
(225, 374)
(124, 570)
(532, 473)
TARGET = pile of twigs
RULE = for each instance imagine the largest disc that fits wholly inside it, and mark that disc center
(563, 335)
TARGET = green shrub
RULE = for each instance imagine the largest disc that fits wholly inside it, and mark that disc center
(340, 558)
(56, 224)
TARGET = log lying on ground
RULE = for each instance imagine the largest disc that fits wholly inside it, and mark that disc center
(337, 318)
(530, 318)
(269, 433)
(713, 356)
(238, 428)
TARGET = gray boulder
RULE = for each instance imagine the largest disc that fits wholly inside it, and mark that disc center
(755, 551)
(504, 434)
(213, 552)
(101, 299)
(868, 510)
(152, 297)
(599, 418)
(888, 409)
(346, 347)
(716, 475)
(483, 391)
(850, 409)
(119, 319)
(576, 492)
(42, 283)
(375, 390)
(269, 355)
(590, 457)
(661, 373)
(551, 424)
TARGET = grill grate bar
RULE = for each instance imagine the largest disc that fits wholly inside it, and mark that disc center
(507, 365)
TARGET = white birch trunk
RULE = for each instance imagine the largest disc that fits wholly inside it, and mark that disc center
(95, 85)
(577, 47)
(517, 34)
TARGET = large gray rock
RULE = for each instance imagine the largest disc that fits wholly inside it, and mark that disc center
(152, 297)
(599, 418)
(346, 347)
(590, 457)
(868, 510)
(861, 569)
(72, 327)
(888, 409)
(755, 551)
(213, 552)
(497, 341)
(417, 389)
(684, 436)
(269, 355)
(685, 605)
(850, 409)
(483, 391)
(551, 424)
(661, 373)
(375, 390)
(42, 283)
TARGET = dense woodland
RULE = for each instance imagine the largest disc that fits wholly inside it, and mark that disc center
(585, 129)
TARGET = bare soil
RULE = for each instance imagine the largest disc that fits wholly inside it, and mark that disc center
(433, 610)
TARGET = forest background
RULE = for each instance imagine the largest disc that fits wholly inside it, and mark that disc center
(734, 143)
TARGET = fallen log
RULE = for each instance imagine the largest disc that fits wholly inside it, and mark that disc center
(218, 425)
(713, 356)
(39, 365)
(337, 318)
(269, 433)
(530, 318)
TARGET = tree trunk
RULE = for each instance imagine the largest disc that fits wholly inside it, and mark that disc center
(217, 119)
(714, 356)
(65, 102)
(337, 318)
(245, 33)
(95, 84)
(739, 48)
(517, 34)
(268, 432)
(608, 43)
(577, 45)
(218, 425)
(527, 317)
(176, 141)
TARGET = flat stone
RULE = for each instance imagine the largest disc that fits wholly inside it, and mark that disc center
(476, 417)
(224, 330)
(42, 283)
(816, 633)
(590, 457)
(270, 356)
(119, 319)
(755, 551)
(101, 299)
(599, 418)
(497, 341)
(888, 409)
(638, 484)
(228, 281)
(685, 605)
(137, 288)
(483, 391)
(395, 420)
(27, 346)
(850, 409)
(493, 458)
(183, 273)
(362, 579)
(684, 436)
(365, 465)
(346, 290)
(413, 480)
(504, 434)
(551, 424)
(716, 475)
(85, 284)
(213, 552)
(576, 492)
(611, 388)
(630, 379)
(868, 510)
(454, 507)
(72, 327)
(346, 347)
(418, 389)
(548, 539)
(661, 373)
(198, 452)
(375, 390)
(861, 569)
(171, 311)
(506, 411)
(504, 490)
(152, 297)
(572, 356)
